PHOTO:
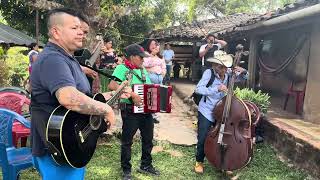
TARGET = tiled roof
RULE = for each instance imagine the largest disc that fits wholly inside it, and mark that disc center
(228, 25)
(198, 30)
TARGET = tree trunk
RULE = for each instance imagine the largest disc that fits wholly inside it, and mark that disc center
(37, 26)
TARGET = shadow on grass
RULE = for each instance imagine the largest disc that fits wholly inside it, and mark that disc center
(176, 162)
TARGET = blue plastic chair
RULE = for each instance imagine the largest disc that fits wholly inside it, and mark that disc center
(12, 160)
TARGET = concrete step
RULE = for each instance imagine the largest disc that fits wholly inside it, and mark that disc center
(297, 140)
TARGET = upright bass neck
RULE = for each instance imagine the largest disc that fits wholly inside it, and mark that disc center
(227, 107)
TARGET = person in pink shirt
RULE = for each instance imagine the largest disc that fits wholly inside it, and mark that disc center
(155, 64)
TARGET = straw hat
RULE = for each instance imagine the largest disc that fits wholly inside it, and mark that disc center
(221, 57)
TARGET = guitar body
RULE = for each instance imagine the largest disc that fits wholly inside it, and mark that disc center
(72, 137)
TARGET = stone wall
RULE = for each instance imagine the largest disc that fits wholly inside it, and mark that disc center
(301, 153)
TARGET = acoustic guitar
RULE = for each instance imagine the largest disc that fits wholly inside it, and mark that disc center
(72, 137)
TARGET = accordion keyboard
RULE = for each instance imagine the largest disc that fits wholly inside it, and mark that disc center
(138, 89)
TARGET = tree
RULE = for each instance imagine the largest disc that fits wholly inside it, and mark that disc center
(2, 20)
(199, 8)
(128, 20)
(20, 16)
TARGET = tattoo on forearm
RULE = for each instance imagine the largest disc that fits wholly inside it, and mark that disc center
(79, 102)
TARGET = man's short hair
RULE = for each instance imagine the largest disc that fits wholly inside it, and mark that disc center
(83, 17)
(57, 11)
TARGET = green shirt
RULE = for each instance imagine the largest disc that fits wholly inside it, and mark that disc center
(121, 72)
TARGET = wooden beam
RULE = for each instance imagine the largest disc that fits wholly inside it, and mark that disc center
(194, 48)
(252, 62)
(182, 59)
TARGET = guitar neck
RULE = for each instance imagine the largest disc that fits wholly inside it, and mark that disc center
(113, 99)
(117, 94)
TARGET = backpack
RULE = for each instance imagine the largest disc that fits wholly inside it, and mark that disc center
(197, 97)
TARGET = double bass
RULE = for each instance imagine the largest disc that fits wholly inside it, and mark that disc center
(229, 145)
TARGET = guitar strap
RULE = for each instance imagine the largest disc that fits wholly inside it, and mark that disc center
(143, 76)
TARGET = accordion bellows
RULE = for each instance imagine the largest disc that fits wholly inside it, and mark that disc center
(155, 97)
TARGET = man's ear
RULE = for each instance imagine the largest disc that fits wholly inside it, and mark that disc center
(54, 32)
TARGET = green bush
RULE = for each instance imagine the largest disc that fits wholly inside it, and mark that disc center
(262, 100)
(4, 73)
(15, 66)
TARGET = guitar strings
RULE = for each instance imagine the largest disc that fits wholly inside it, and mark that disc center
(87, 129)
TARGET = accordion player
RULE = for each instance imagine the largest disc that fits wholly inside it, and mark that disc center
(155, 97)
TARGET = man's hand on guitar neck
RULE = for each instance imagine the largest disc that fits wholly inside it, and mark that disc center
(74, 100)
(89, 72)
(125, 93)
(135, 97)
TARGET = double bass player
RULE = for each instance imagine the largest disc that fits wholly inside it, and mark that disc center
(210, 96)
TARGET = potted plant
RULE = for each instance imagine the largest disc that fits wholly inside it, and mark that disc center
(262, 100)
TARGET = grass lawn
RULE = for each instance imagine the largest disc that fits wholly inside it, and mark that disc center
(176, 162)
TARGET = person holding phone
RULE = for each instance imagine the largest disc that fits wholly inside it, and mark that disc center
(207, 50)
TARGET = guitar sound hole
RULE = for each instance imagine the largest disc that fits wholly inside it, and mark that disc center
(95, 122)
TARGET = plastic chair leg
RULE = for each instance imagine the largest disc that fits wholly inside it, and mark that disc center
(13, 175)
(299, 102)
(24, 141)
(14, 139)
(5, 175)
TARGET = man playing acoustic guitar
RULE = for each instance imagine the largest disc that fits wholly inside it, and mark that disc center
(57, 79)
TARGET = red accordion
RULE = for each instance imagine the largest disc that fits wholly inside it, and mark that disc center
(155, 97)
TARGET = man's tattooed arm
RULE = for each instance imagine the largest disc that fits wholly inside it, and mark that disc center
(74, 100)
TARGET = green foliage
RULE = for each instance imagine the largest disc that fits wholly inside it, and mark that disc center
(4, 73)
(197, 8)
(248, 6)
(132, 29)
(106, 164)
(22, 17)
(14, 67)
(2, 53)
(127, 25)
(262, 100)
(2, 20)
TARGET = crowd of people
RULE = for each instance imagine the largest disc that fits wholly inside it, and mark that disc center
(58, 78)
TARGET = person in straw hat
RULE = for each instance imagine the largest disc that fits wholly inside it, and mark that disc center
(221, 63)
